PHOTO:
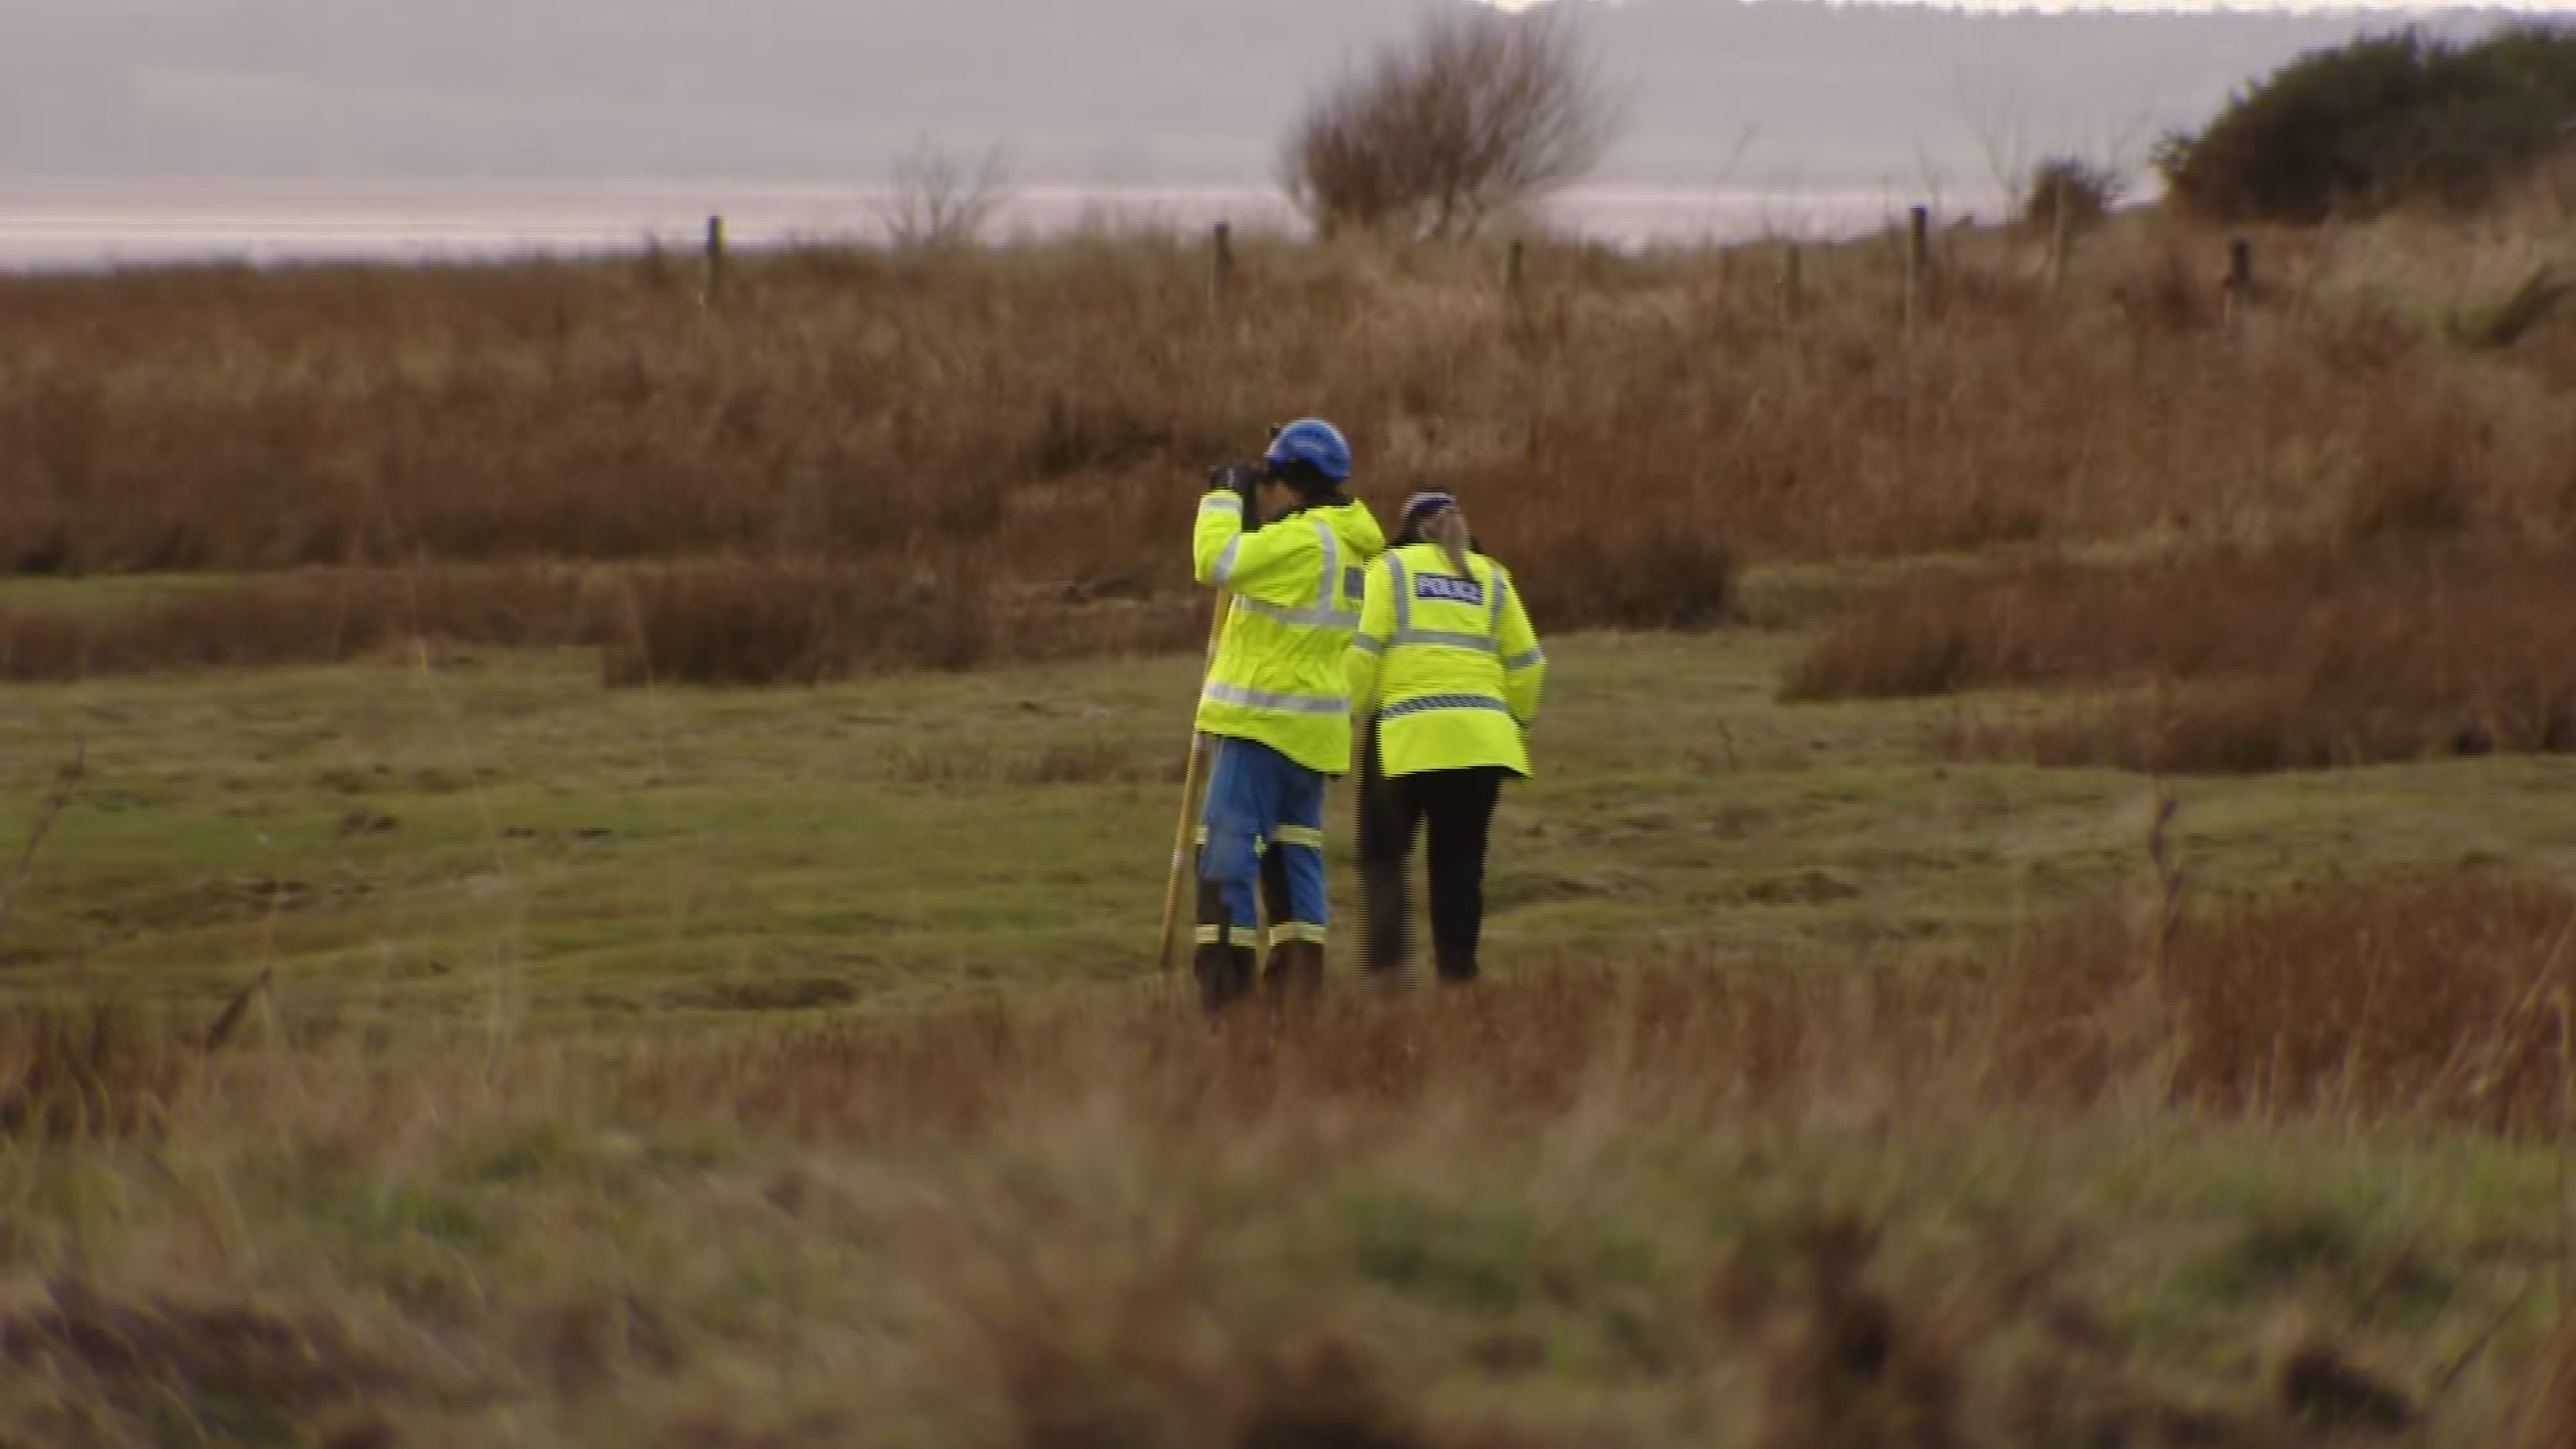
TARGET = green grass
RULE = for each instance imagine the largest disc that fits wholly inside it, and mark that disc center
(602, 1234)
(409, 835)
(1563, 1281)
(106, 591)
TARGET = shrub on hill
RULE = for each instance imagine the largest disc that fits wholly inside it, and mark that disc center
(2384, 121)
(2085, 190)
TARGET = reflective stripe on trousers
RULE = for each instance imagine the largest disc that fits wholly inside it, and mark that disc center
(1296, 835)
(1280, 935)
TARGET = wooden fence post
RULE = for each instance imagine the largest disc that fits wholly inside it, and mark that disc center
(1514, 270)
(2240, 284)
(715, 261)
(2061, 234)
(1220, 264)
(1918, 264)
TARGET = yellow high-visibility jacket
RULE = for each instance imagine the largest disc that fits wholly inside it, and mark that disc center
(1448, 669)
(1279, 676)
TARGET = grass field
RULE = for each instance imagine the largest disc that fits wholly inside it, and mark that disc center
(581, 871)
(784, 1066)
(417, 834)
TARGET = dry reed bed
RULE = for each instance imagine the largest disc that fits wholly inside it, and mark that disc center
(2252, 661)
(710, 623)
(1048, 1228)
(982, 427)
(2429, 1003)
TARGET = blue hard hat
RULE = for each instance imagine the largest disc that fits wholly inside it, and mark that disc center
(1314, 442)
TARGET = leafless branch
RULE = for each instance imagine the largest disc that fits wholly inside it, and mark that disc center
(938, 200)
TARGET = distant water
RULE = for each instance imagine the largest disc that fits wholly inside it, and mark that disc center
(61, 226)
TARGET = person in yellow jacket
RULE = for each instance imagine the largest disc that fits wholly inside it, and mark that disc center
(1277, 702)
(1447, 674)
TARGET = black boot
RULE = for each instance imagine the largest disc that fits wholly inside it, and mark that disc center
(1296, 972)
(1225, 975)
(1226, 965)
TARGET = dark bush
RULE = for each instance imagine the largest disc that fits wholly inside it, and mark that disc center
(2084, 190)
(2383, 121)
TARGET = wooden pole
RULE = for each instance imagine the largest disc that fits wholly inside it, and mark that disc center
(2061, 235)
(2240, 284)
(1220, 264)
(715, 260)
(1175, 890)
(1918, 262)
(1514, 265)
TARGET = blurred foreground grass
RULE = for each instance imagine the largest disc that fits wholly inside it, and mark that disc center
(1110, 1228)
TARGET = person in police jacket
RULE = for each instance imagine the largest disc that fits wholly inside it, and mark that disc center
(1445, 676)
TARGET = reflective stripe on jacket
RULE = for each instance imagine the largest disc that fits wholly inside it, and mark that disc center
(1279, 676)
(1448, 669)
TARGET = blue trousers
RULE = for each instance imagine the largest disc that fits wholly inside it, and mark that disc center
(1264, 815)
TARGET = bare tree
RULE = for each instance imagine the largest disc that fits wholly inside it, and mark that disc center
(2092, 177)
(1482, 112)
(1995, 117)
(937, 200)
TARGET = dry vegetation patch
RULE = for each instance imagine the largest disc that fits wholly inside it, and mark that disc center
(2424, 1002)
(2432, 1001)
(1007, 439)
(321, 617)
(134, 1369)
(2269, 661)
(744, 622)
(88, 1074)
(1381, 1225)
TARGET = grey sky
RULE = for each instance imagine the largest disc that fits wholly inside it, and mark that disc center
(1130, 91)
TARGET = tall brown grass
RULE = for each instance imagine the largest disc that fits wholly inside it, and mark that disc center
(2263, 661)
(1107, 1223)
(309, 617)
(2429, 1002)
(705, 623)
(980, 429)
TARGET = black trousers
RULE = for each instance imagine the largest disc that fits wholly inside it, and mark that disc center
(1456, 807)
